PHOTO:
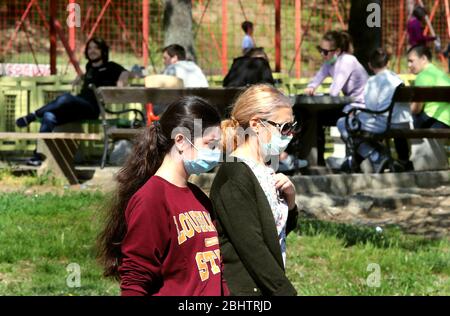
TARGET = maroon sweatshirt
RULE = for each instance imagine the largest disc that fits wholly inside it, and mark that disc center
(171, 246)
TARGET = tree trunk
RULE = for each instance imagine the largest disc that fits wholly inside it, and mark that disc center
(365, 38)
(178, 25)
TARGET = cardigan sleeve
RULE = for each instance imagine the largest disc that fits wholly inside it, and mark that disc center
(292, 220)
(237, 210)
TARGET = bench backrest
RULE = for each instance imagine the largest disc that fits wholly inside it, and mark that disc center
(422, 94)
(405, 94)
(220, 97)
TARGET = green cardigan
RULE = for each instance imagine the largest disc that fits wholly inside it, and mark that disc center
(251, 253)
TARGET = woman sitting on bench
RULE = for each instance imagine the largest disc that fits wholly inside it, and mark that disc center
(349, 77)
(69, 108)
(378, 95)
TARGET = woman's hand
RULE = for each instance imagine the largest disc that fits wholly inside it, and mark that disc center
(287, 188)
(310, 91)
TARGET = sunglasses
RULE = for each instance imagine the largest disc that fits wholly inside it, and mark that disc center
(325, 52)
(285, 129)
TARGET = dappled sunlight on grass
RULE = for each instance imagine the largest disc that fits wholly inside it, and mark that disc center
(49, 232)
(42, 234)
(337, 259)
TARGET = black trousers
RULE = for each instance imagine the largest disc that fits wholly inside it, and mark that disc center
(324, 119)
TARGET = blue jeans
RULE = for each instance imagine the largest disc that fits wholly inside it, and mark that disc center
(64, 109)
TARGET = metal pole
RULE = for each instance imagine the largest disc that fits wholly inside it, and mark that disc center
(433, 12)
(16, 30)
(145, 19)
(53, 43)
(99, 18)
(400, 31)
(447, 13)
(298, 37)
(224, 37)
(72, 32)
(69, 51)
(277, 35)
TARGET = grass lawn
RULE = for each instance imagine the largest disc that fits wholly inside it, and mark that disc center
(40, 235)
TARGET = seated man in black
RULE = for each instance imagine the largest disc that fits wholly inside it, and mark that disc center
(252, 68)
(69, 108)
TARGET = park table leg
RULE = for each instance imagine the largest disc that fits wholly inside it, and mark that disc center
(60, 155)
(307, 143)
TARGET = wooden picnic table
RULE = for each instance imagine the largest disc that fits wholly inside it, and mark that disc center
(59, 149)
(318, 103)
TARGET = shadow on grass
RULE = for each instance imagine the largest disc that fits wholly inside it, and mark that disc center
(391, 236)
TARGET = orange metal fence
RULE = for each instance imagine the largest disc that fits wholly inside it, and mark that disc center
(134, 30)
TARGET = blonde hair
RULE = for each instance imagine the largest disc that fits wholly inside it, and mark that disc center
(259, 100)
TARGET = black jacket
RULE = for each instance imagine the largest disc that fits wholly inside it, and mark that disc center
(251, 253)
(247, 71)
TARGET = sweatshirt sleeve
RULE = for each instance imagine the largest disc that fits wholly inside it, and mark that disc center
(237, 209)
(342, 74)
(320, 76)
(143, 247)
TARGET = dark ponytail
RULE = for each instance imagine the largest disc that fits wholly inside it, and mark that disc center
(340, 39)
(149, 151)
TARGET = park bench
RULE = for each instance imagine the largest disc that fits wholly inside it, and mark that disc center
(402, 95)
(59, 149)
(221, 98)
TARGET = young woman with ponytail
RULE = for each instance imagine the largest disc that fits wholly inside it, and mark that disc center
(254, 207)
(349, 77)
(159, 238)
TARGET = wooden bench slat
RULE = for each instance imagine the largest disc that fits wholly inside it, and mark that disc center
(33, 136)
(123, 133)
(216, 96)
(422, 94)
(419, 133)
(416, 94)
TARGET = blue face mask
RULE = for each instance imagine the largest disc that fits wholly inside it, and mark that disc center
(278, 143)
(206, 160)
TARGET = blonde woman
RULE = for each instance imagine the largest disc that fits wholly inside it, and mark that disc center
(255, 207)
